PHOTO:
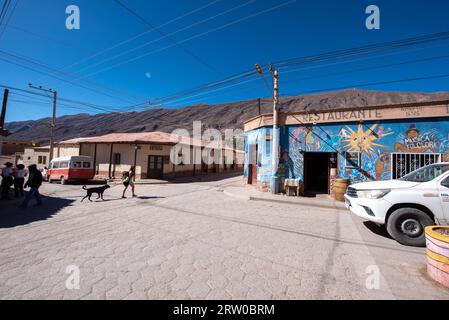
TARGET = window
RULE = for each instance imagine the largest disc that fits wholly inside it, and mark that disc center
(64, 164)
(445, 182)
(404, 163)
(77, 164)
(352, 160)
(427, 173)
(55, 165)
(86, 165)
(116, 158)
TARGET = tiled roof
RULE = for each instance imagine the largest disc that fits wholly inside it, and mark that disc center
(143, 137)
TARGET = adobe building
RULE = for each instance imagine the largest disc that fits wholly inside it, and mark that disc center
(363, 144)
(148, 152)
(36, 155)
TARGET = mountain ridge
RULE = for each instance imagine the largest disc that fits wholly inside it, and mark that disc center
(220, 116)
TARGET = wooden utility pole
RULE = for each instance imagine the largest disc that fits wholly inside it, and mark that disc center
(53, 121)
(3, 131)
(275, 152)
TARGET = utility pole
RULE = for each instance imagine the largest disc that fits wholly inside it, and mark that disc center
(275, 141)
(53, 121)
(276, 135)
(3, 131)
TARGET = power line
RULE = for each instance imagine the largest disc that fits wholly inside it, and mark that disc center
(52, 73)
(80, 103)
(9, 17)
(165, 36)
(189, 52)
(98, 53)
(375, 84)
(4, 10)
(192, 38)
(318, 58)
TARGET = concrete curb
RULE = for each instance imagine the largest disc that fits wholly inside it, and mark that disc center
(335, 206)
(237, 196)
(304, 202)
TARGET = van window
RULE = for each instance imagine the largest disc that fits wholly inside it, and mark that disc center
(77, 164)
(55, 165)
(64, 165)
(86, 165)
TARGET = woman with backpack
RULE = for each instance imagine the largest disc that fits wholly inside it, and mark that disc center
(128, 180)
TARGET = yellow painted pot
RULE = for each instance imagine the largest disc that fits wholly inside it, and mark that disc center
(437, 242)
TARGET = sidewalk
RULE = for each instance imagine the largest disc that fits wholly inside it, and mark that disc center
(250, 193)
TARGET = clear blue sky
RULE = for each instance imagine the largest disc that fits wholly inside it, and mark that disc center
(37, 31)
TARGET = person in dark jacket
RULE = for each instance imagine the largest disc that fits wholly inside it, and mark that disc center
(7, 180)
(34, 182)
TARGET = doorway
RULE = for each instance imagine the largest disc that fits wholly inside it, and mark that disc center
(155, 167)
(253, 164)
(317, 172)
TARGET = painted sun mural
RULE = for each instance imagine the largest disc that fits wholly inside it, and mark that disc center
(364, 141)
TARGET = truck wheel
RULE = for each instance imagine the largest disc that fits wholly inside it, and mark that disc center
(407, 225)
(63, 181)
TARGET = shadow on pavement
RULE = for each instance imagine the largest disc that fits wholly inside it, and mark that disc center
(206, 178)
(12, 216)
(149, 198)
(379, 230)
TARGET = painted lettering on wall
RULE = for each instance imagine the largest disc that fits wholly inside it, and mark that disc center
(343, 115)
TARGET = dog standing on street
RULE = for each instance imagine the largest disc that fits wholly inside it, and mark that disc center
(98, 190)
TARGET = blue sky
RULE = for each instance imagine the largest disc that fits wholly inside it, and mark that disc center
(37, 31)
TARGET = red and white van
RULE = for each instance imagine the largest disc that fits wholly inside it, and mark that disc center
(70, 169)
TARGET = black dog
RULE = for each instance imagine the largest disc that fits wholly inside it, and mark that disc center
(99, 190)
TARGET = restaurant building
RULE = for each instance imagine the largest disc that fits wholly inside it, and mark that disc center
(150, 154)
(362, 144)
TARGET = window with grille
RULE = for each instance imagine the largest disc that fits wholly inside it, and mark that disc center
(404, 163)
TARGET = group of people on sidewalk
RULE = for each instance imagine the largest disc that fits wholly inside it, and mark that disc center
(15, 176)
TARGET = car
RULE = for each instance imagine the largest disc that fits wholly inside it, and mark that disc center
(406, 206)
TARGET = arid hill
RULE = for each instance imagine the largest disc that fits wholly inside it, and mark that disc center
(222, 116)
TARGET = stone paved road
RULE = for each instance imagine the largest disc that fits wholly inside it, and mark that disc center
(192, 241)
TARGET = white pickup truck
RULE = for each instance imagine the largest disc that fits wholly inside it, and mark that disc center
(407, 205)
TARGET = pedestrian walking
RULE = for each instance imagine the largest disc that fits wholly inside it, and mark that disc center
(19, 180)
(128, 181)
(34, 183)
(7, 180)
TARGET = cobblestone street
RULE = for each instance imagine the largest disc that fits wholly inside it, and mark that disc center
(192, 241)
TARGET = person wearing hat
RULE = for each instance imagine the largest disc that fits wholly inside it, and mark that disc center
(7, 180)
(19, 180)
(34, 182)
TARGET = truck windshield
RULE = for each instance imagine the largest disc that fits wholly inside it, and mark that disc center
(426, 174)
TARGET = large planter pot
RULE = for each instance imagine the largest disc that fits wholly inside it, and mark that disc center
(340, 187)
(437, 241)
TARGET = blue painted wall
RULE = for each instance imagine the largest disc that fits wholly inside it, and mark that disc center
(375, 140)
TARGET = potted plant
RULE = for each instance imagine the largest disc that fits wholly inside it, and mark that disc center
(437, 242)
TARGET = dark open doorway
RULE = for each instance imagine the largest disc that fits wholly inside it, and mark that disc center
(316, 172)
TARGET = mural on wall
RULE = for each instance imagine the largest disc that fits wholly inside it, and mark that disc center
(375, 142)
(415, 142)
(364, 141)
(383, 165)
